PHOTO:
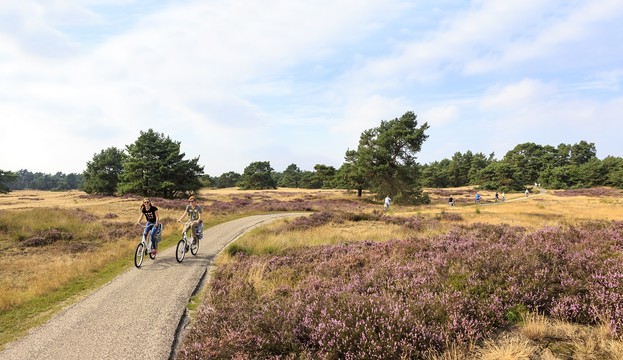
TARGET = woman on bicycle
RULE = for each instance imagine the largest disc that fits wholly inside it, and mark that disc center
(152, 221)
(193, 211)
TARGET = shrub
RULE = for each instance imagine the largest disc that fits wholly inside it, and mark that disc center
(405, 298)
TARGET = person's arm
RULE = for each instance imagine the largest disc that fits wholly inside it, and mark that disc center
(139, 219)
(183, 215)
(157, 217)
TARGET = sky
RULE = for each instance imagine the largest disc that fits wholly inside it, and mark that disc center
(297, 82)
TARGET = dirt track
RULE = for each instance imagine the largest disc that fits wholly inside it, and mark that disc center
(137, 315)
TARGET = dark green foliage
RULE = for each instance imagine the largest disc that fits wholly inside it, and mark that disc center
(350, 176)
(257, 176)
(325, 176)
(582, 153)
(436, 174)
(385, 160)
(207, 181)
(155, 167)
(502, 176)
(6, 177)
(529, 158)
(40, 181)
(228, 179)
(291, 177)
(309, 180)
(102, 173)
(464, 168)
(613, 167)
(562, 167)
(461, 170)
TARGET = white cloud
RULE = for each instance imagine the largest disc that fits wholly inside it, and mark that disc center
(367, 113)
(440, 115)
(519, 95)
(233, 81)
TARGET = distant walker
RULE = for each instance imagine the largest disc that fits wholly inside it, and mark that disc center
(387, 203)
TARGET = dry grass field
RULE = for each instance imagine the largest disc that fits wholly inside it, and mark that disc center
(55, 246)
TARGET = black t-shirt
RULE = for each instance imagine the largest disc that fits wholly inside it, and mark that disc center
(150, 214)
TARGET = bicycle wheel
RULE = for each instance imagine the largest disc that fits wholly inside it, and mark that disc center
(180, 251)
(139, 255)
(194, 247)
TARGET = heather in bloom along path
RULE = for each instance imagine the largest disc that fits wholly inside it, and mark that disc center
(408, 298)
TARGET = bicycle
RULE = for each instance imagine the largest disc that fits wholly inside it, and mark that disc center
(145, 246)
(185, 244)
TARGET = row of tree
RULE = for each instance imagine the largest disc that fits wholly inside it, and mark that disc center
(383, 163)
(561, 167)
(152, 166)
(24, 179)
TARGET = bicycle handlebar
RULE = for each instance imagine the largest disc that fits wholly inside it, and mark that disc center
(144, 226)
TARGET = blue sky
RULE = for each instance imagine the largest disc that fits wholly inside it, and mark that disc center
(291, 81)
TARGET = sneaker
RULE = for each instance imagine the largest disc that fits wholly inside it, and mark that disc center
(155, 251)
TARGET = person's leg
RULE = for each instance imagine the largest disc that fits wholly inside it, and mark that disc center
(193, 226)
(152, 235)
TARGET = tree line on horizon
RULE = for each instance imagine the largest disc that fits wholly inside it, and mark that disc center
(383, 163)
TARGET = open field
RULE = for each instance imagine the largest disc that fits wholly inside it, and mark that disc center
(94, 237)
(466, 282)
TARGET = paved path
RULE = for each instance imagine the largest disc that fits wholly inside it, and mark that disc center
(135, 316)
(518, 198)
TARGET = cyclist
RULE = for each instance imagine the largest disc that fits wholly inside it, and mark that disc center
(152, 221)
(193, 211)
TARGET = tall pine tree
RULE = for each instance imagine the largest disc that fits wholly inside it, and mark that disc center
(155, 167)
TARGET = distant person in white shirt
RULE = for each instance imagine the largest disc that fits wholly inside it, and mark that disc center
(388, 202)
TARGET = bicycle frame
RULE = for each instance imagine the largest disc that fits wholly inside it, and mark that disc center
(187, 243)
(144, 247)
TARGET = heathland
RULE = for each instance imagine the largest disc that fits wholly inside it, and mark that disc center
(537, 276)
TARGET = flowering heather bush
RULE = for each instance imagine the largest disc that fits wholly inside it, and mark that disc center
(592, 192)
(404, 298)
(449, 216)
(257, 202)
(309, 222)
(445, 193)
(417, 223)
(318, 219)
(46, 237)
(442, 192)
(238, 205)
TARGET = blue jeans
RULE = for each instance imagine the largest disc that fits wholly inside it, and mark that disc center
(153, 228)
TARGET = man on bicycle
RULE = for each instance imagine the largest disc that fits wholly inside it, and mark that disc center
(193, 211)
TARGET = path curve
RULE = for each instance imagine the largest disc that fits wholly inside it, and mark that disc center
(136, 315)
